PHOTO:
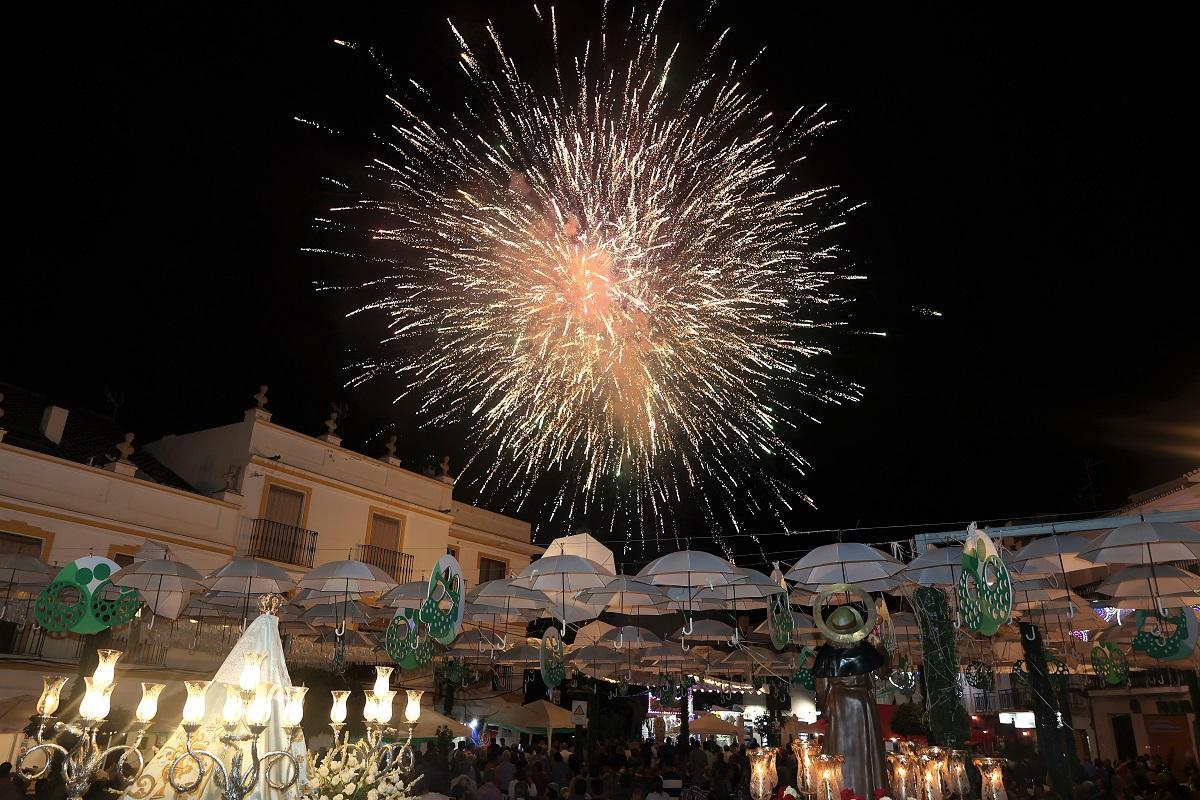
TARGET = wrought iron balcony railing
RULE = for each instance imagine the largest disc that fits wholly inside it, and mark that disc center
(277, 541)
(395, 563)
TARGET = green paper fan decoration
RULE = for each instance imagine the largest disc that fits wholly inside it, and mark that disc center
(1110, 663)
(445, 589)
(551, 658)
(1157, 642)
(406, 641)
(985, 594)
(803, 674)
(75, 600)
(980, 676)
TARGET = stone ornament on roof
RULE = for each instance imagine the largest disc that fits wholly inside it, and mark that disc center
(390, 447)
(332, 422)
(261, 397)
(126, 448)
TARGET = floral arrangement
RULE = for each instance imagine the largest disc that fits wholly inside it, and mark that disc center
(355, 779)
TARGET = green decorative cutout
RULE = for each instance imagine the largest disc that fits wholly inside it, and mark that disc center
(985, 604)
(406, 641)
(74, 601)
(904, 677)
(551, 659)
(980, 676)
(779, 620)
(1019, 674)
(803, 674)
(445, 584)
(1110, 663)
(1156, 642)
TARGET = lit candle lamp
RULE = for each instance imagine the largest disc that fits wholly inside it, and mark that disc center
(762, 773)
(992, 774)
(383, 707)
(251, 670)
(193, 709)
(258, 712)
(293, 711)
(234, 708)
(383, 677)
(337, 714)
(148, 707)
(96, 701)
(412, 711)
(829, 768)
(52, 686)
(106, 668)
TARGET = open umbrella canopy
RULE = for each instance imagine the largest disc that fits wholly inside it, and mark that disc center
(712, 725)
(1149, 581)
(597, 654)
(843, 562)
(249, 576)
(564, 573)
(536, 717)
(1053, 554)
(1145, 543)
(689, 568)
(626, 595)
(630, 636)
(348, 577)
(705, 630)
(524, 653)
(755, 586)
(406, 595)
(938, 567)
(801, 622)
(157, 574)
(21, 569)
(352, 612)
(583, 544)
(503, 594)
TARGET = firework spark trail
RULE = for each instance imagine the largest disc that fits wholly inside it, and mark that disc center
(615, 282)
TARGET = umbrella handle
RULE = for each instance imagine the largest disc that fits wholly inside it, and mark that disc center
(340, 629)
(620, 643)
(150, 622)
(1032, 635)
(689, 626)
(683, 643)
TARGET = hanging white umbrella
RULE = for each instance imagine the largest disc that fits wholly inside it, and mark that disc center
(689, 568)
(630, 636)
(939, 567)
(21, 573)
(521, 654)
(249, 576)
(411, 594)
(592, 632)
(335, 614)
(1053, 554)
(585, 545)
(844, 562)
(164, 585)
(627, 595)
(596, 654)
(348, 577)
(503, 594)
(801, 623)
(706, 630)
(560, 577)
(1146, 581)
(1145, 543)
(753, 590)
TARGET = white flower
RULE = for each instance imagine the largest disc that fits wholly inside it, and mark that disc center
(350, 787)
(372, 794)
(339, 797)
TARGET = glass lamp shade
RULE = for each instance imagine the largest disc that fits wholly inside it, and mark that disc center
(762, 773)
(193, 709)
(829, 777)
(52, 686)
(930, 776)
(148, 706)
(383, 707)
(370, 708)
(956, 773)
(106, 668)
(234, 708)
(96, 700)
(251, 670)
(337, 714)
(258, 712)
(806, 750)
(903, 770)
(412, 710)
(383, 678)
(293, 711)
(992, 785)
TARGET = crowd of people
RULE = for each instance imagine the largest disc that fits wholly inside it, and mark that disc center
(1140, 778)
(633, 770)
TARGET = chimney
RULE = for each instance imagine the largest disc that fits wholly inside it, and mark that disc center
(54, 422)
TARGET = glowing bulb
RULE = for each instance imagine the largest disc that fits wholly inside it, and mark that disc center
(193, 709)
(96, 700)
(412, 711)
(231, 713)
(148, 706)
(293, 711)
(106, 668)
(383, 707)
(383, 677)
(52, 686)
(259, 711)
(251, 670)
(337, 714)
(369, 708)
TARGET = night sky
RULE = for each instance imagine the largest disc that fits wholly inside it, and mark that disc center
(1027, 176)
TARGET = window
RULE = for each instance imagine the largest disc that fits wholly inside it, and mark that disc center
(123, 559)
(385, 532)
(15, 544)
(491, 569)
(285, 506)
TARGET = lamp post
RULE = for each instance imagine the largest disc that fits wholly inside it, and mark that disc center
(247, 706)
(84, 761)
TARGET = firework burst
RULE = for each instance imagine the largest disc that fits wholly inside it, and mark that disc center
(611, 285)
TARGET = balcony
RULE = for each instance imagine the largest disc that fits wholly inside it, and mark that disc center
(393, 562)
(277, 541)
